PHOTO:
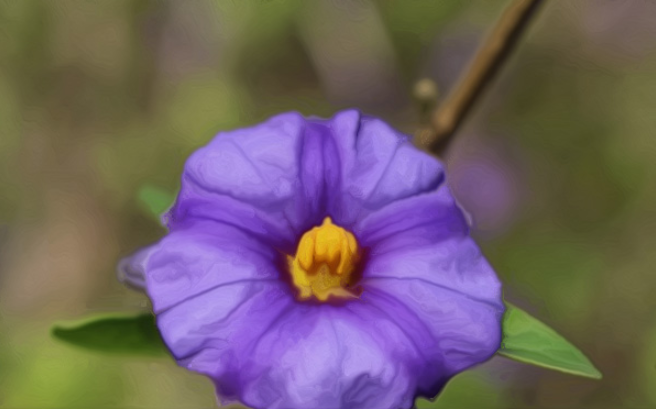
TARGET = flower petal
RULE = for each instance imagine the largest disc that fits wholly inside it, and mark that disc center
(206, 333)
(426, 238)
(454, 332)
(268, 179)
(331, 357)
(203, 256)
(379, 166)
(279, 178)
(424, 266)
(131, 270)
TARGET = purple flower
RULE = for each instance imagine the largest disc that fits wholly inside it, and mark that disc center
(316, 263)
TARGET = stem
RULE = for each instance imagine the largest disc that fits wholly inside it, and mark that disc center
(448, 116)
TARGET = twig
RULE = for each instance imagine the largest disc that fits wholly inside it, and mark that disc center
(491, 55)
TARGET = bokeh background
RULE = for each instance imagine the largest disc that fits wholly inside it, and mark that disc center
(556, 166)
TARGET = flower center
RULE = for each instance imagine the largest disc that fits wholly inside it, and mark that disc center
(325, 260)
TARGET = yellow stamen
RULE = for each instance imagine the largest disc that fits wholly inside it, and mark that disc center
(324, 262)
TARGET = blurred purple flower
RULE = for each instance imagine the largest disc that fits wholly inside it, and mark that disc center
(486, 179)
(318, 263)
(624, 30)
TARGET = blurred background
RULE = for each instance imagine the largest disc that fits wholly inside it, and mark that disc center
(556, 167)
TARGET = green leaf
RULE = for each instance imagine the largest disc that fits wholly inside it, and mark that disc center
(528, 340)
(155, 200)
(114, 334)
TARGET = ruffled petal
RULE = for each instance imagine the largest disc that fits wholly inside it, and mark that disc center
(279, 178)
(215, 289)
(378, 166)
(204, 256)
(131, 270)
(455, 332)
(425, 267)
(210, 333)
(329, 357)
(426, 237)
(269, 179)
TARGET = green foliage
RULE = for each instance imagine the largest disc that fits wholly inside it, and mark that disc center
(155, 200)
(528, 340)
(53, 376)
(114, 334)
(469, 389)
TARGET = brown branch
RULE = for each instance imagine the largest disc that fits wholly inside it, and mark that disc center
(449, 115)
